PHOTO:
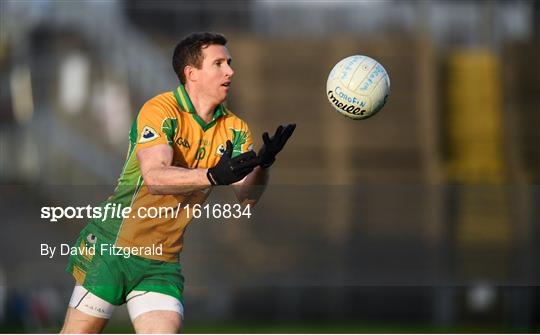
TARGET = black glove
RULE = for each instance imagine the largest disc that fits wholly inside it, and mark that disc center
(272, 146)
(230, 170)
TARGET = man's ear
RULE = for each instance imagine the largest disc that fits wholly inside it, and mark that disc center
(191, 73)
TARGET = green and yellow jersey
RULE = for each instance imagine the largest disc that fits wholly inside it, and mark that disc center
(169, 118)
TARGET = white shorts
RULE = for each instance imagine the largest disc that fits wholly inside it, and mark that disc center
(138, 302)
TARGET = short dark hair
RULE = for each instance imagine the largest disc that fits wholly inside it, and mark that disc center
(189, 51)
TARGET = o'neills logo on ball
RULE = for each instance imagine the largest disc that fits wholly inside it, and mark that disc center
(351, 109)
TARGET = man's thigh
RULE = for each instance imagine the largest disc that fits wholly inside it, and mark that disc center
(78, 322)
(153, 312)
(157, 322)
(87, 313)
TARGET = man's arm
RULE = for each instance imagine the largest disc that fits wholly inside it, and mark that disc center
(250, 189)
(162, 178)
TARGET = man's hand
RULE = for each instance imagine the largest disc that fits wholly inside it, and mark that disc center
(273, 145)
(230, 170)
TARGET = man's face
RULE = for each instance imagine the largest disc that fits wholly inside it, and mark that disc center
(214, 76)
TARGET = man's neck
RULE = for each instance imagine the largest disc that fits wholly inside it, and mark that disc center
(203, 108)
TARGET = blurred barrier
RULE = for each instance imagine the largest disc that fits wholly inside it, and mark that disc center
(474, 118)
(476, 157)
(521, 93)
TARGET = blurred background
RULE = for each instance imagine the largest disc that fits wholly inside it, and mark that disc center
(422, 218)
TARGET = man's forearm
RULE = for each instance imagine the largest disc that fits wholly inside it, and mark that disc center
(175, 180)
(253, 186)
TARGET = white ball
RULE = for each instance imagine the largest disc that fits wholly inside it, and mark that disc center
(358, 87)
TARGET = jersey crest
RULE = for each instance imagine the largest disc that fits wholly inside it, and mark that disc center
(148, 134)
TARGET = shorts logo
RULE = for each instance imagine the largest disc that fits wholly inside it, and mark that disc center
(91, 238)
(148, 134)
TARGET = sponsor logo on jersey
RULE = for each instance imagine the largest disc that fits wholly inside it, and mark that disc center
(201, 153)
(183, 142)
(148, 134)
(220, 150)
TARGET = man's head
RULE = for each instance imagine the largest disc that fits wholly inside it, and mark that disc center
(202, 61)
